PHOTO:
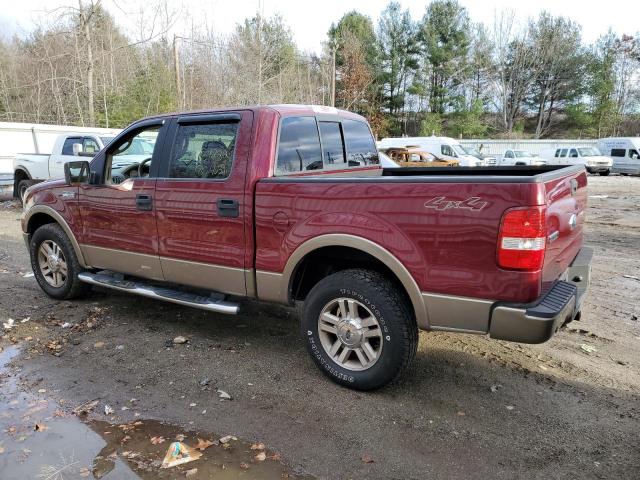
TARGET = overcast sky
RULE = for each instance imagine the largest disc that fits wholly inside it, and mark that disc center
(310, 19)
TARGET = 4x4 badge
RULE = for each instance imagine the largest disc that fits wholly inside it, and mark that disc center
(441, 203)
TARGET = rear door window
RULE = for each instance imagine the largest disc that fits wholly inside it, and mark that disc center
(633, 154)
(299, 145)
(203, 151)
(618, 152)
(447, 150)
(332, 146)
(563, 152)
(359, 143)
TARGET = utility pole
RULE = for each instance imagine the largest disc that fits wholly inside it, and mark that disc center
(176, 65)
(333, 75)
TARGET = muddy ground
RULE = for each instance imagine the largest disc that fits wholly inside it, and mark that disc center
(469, 407)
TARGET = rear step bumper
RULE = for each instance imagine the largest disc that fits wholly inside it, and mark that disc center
(160, 293)
(537, 322)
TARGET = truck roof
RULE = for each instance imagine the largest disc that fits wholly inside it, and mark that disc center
(282, 109)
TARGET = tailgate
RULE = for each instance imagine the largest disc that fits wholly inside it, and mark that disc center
(566, 200)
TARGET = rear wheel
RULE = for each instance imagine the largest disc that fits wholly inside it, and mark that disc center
(359, 329)
(55, 264)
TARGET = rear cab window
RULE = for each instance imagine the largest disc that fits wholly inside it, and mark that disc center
(310, 144)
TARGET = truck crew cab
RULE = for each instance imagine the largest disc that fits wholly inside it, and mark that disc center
(289, 204)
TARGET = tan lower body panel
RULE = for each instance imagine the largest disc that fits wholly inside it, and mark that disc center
(457, 314)
(270, 287)
(204, 275)
(121, 261)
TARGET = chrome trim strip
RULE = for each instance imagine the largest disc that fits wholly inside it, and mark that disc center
(218, 306)
(458, 314)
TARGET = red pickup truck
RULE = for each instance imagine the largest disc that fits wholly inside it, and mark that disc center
(289, 204)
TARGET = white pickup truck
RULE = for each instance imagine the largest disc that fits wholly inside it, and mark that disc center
(32, 168)
(520, 157)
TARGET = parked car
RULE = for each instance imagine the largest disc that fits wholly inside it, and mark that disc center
(487, 160)
(386, 161)
(589, 157)
(289, 204)
(444, 147)
(32, 168)
(414, 157)
(624, 152)
(520, 157)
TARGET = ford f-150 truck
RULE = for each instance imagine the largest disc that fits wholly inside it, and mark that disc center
(288, 204)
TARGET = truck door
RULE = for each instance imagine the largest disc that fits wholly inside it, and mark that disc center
(202, 218)
(119, 219)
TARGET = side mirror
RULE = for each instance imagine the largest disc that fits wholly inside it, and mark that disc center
(77, 172)
(77, 149)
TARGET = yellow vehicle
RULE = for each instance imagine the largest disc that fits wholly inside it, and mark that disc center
(414, 157)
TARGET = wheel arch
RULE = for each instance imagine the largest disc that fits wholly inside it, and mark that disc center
(288, 286)
(40, 215)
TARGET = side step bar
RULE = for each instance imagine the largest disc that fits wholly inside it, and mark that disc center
(161, 293)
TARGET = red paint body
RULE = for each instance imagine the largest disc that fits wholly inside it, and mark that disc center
(450, 251)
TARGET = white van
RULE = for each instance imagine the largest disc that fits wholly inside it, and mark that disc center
(590, 157)
(442, 147)
(625, 152)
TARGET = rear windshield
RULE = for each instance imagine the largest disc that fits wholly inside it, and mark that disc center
(307, 144)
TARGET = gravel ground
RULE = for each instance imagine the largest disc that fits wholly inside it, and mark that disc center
(469, 407)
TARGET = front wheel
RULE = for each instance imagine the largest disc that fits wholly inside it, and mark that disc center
(55, 264)
(359, 329)
(605, 173)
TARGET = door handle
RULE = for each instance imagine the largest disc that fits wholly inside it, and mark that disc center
(144, 202)
(228, 207)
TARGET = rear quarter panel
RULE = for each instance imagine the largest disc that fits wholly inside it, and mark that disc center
(447, 250)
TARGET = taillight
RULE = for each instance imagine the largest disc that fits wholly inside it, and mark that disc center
(522, 239)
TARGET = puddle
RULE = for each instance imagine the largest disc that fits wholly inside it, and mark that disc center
(39, 438)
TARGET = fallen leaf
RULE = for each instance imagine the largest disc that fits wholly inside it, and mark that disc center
(191, 472)
(1, 449)
(108, 410)
(125, 439)
(180, 339)
(85, 472)
(461, 414)
(261, 457)
(58, 413)
(510, 407)
(588, 348)
(157, 440)
(224, 395)
(276, 456)
(180, 437)
(366, 458)
(98, 345)
(244, 466)
(258, 446)
(227, 439)
(40, 427)
(202, 444)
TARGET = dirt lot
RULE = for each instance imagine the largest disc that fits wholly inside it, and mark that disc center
(469, 407)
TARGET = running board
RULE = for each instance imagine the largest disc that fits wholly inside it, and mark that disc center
(210, 304)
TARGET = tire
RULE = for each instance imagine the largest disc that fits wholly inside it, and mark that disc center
(56, 284)
(22, 188)
(605, 173)
(393, 340)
